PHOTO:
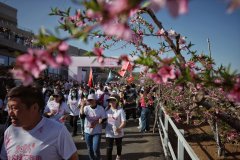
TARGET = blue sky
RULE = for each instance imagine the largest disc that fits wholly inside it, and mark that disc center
(206, 19)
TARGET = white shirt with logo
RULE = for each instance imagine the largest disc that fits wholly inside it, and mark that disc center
(47, 140)
(99, 93)
(114, 118)
(73, 106)
(93, 115)
(58, 111)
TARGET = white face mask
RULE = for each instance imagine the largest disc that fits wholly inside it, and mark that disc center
(74, 94)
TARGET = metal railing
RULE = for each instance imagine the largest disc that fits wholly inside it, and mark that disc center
(177, 152)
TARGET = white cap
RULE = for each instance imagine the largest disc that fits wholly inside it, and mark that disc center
(92, 96)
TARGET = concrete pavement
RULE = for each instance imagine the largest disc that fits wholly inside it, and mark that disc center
(136, 146)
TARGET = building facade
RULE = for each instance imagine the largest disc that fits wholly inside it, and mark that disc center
(15, 40)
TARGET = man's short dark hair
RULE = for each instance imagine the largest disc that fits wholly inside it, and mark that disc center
(28, 95)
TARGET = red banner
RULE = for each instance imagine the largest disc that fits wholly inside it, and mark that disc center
(90, 80)
(126, 67)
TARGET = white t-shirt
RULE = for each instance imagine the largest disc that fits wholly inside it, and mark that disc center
(99, 93)
(91, 116)
(47, 140)
(114, 118)
(73, 105)
(59, 111)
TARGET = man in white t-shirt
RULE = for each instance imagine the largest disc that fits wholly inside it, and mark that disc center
(32, 136)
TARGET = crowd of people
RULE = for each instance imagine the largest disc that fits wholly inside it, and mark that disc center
(38, 115)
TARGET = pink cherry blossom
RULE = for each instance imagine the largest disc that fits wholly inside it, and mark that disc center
(157, 4)
(93, 15)
(32, 62)
(24, 76)
(190, 64)
(232, 135)
(136, 39)
(177, 7)
(172, 34)
(167, 72)
(163, 75)
(233, 5)
(161, 32)
(182, 40)
(49, 59)
(63, 59)
(176, 117)
(140, 32)
(63, 47)
(183, 6)
(99, 53)
(234, 94)
(76, 17)
(199, 86)
(155, 77)
(121, 31)
(179, 88)
(118, 6)
(218, 81)
(133, 12)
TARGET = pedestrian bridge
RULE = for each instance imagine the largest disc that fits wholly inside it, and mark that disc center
(136, 145)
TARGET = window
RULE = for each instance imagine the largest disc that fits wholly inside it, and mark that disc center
(12, 61)
(3, 60)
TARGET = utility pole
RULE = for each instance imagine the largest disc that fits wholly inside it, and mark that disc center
(209, 48)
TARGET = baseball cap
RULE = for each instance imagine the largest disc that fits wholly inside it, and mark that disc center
(114, 97)
(92, 97)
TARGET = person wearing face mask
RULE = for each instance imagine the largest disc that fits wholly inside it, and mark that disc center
(95, 116)
(73, 104)
(57, 109)
(83, 103)
(85, 93)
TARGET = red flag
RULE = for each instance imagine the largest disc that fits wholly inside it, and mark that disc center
(90, 80)
(126, 67)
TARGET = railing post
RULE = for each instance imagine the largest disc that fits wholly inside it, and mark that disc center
(180, 147)
(166, 117)
(161, 130)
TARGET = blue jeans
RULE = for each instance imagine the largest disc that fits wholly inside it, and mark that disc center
(145, 118)
(82, 125)
(93, 145)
